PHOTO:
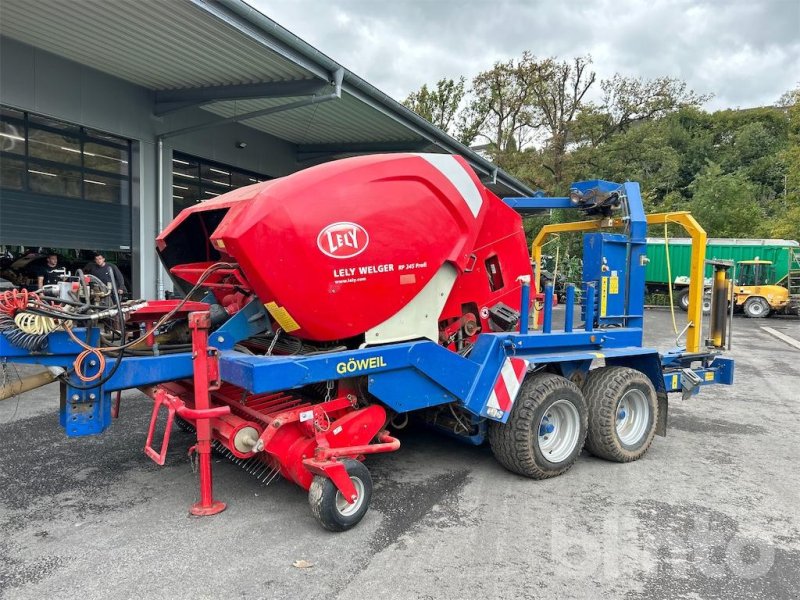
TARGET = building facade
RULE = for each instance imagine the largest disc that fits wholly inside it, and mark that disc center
(115, 116)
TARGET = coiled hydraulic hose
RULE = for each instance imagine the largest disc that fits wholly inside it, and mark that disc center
(27, 341)
(15, 300)
(35, 324)
(31, 335)
(98, 352)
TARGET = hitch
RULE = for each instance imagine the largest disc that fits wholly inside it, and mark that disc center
(690, 381)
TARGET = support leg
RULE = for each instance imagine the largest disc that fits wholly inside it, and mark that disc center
(115, 404)
(200, 322)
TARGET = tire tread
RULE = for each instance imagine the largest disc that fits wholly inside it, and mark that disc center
(601, 391)
(755, 299)
(512, 442)
(322, 493)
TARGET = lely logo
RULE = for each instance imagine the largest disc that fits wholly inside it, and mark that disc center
(343, 240)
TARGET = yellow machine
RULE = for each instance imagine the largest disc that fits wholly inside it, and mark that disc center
(755, 292)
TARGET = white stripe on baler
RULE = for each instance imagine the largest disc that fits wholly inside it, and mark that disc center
(493, 402)
(458, 176)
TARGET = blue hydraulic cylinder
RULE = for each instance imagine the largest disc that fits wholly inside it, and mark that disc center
(525, 307)
(547, 319)
(569, 308)
(589, 312)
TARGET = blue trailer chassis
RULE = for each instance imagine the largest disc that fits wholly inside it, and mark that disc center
(405, 376)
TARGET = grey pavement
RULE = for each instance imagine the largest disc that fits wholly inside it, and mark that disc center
(711, 512)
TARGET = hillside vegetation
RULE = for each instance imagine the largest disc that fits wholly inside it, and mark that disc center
(738, 171)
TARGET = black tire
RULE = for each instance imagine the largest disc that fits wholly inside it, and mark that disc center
(516, 443)
(683, 300)
(326, 500)
(604, 390)
(756, 308)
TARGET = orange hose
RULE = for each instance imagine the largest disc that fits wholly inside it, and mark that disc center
(98, 352)
(78, 364)
(87, 352)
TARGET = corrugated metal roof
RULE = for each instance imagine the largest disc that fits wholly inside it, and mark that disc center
(179, 44)
(343, 120)
(153, 43)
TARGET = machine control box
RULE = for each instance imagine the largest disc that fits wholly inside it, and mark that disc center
(605, 264)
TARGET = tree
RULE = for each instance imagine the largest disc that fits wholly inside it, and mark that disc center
(500, 111)
(558, 94)
(641, 154)
(787, 225)
(726, 204)
(439, 105)
(630, 100)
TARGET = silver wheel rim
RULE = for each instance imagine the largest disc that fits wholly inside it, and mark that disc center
(343, 507)
(559, 431)
(633, 416)
(756, 308)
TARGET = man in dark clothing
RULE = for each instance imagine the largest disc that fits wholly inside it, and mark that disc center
(104, 271)
(48, 273)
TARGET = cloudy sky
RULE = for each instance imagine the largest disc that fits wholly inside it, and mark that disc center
(745, 52)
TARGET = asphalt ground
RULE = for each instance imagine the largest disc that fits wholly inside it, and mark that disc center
(712, 511)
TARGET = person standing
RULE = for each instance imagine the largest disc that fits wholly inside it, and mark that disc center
(48, 273)
(105, 271)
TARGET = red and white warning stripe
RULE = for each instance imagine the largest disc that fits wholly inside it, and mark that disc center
(507, 385)
(457, 174)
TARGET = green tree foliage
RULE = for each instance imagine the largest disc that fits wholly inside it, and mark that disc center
(501, 113)
(726, 204)
(738, 171)
(438, 105)
(642, 154)
(558, 97)
(671, 157)
(631, 100)
(787, 225)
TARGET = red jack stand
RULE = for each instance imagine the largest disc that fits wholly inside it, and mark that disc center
(206, 378)
(115, 405)
(207, 506)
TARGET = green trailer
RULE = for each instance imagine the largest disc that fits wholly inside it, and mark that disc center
(784, 254)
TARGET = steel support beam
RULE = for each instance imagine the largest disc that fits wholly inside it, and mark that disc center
(336, 82)
(309, 152)
(172, 100)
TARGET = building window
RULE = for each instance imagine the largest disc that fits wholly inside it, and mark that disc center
(46, 156)
(196, 179)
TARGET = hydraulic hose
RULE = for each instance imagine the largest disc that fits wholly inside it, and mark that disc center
(99, 352)
(28, 341)
(35, 324)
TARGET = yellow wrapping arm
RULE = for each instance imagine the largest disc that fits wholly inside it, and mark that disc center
(696, 271)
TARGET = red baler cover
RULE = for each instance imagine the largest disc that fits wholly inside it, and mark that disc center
(343, 246)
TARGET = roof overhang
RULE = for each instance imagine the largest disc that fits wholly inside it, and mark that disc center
(238, 66)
